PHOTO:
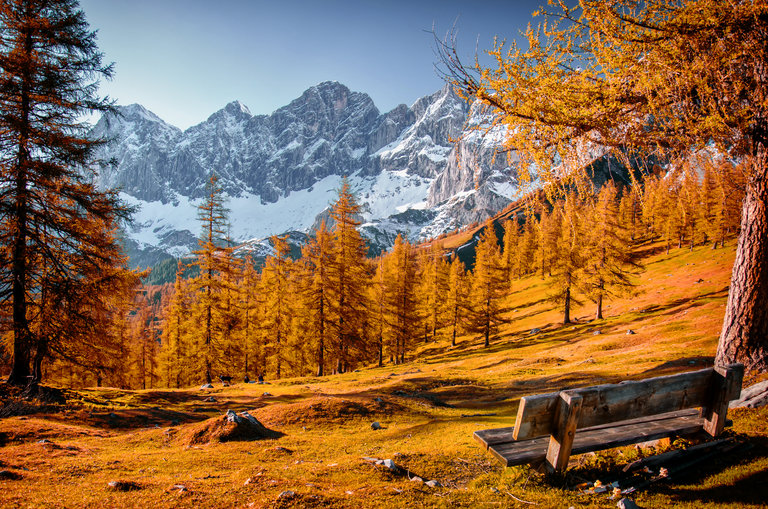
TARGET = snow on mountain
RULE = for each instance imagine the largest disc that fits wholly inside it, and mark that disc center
(281, 171)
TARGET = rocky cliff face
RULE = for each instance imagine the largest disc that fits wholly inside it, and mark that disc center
(280, 170)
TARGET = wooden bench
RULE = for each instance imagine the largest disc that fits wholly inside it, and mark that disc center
(614, 415)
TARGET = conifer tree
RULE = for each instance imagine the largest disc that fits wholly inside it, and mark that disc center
(251, 346)
(349, 275)
(173, 338)
(609, 258)
(275, 288)
(211, 258)
(510, 248)
(317, 257)
(569, 259)
(400, 284)
(488, 285)
(377, 311)
(50, 209)
(457, 297)
(432, 286)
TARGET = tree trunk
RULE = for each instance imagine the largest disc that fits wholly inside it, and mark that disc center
(567, 307)
(744, 337)
(599, 312)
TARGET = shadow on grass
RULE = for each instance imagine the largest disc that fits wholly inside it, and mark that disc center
(751, 488)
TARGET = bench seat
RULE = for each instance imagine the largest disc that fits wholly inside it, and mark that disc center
(509, 452)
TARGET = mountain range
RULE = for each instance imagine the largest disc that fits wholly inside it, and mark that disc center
(281, 171)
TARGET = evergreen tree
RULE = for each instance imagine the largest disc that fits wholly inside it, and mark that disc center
(51, 212)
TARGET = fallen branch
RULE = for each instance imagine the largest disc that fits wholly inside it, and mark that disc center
(520, 500)
(478, 415)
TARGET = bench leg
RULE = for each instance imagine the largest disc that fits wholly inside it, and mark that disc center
(567, 417)
(727, 386)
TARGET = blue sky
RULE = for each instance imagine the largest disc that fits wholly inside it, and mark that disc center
(185, 59)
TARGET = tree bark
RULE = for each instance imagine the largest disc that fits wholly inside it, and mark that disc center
(744, 337)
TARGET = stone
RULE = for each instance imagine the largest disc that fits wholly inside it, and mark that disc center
(630, 332)
(266, 394)
(597, 333)
(375, 425)
(534, 331)
(416, 478)
(233, 417)
(206, 386)
(210, 399)
(390, 465)
(123, 486)
(433, 484)
(626, 503)
(287, 495)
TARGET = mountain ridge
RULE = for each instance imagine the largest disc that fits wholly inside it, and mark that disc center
(279, 170)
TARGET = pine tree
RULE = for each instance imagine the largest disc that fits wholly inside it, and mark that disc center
(50, 210)
(511, 243)
(251, 346)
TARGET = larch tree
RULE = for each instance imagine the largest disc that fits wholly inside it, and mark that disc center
(349, 276)
(211, 258)
(278, 306)
(50, 208)
(662, 78)
(610, 260)
(431, 288)
(569, 259)
(457, 297)
(488, 285)
(400, 288)
(316, 285)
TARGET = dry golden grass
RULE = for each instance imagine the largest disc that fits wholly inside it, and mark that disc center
(428, 410)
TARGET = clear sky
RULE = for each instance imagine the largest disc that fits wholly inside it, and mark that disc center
(185, 59)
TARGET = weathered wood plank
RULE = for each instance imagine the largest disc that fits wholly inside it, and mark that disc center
(725, 387)
(566, 418)
(608, 403)
(495, 436)
(599, 438)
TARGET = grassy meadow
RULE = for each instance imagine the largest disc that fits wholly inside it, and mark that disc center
(428, 408)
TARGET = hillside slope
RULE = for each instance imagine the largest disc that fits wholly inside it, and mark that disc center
(428, 409)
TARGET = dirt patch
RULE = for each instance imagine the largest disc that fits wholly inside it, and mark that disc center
(328, 409)
(226, 428)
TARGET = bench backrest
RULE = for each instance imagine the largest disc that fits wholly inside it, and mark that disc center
(540, 415)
